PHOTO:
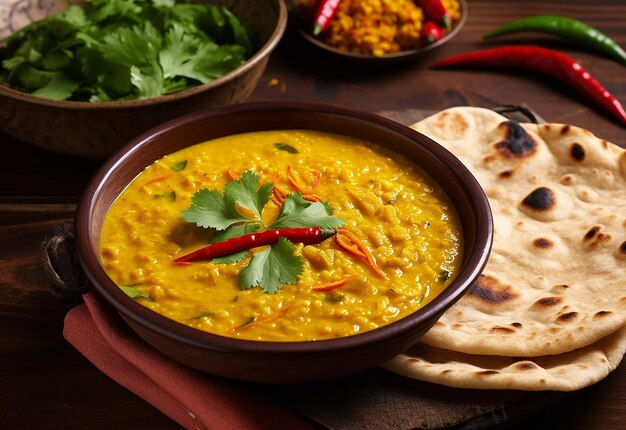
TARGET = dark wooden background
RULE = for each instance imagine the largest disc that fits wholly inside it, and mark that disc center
(46, 384)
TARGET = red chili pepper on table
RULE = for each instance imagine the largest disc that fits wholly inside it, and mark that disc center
(305, 235)
(434, 10)
(542, 60)
(431, 32)
(325, 13)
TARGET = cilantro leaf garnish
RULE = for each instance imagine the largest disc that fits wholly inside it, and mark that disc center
(239, 211)
(245, 193)
(272, 267)
(210, 209)
(297, 212)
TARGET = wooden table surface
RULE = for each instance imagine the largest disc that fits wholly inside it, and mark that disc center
(46, 384)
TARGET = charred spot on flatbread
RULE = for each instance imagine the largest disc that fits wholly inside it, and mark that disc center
(540, 199)
(505, 174)
(577, 152)
(547, 302)
(490, 290)
(595, 235)
(517, 142)
(622, 248)
(526, 365)
(543, 243)
(592, 232)
(566, 317)
(601, 314)
(500, 329)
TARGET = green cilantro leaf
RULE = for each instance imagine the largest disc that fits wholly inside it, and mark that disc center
(209, 210)
(168, 196)
(203, 314)
(60, 87)
(179, 51)
(214, 61)
(272, 267)
(148, 81)
(239, 33)
(285, 147)
(297, 212)
(180, 165)
(246, 193)
(134, 293)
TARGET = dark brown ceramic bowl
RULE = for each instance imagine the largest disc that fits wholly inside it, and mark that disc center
(277, 362)
(97, 130)
(304, 30)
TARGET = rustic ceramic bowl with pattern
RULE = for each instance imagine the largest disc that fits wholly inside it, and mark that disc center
(96, 130)
(282, 362)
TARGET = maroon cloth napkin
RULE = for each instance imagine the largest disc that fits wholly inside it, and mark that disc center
(193, 399)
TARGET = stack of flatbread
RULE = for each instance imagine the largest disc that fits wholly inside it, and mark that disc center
(549, 310)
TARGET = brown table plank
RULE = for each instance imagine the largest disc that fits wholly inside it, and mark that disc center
(46, 384)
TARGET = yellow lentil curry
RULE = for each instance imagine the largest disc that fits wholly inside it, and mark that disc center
(376, 27)
(402, 244)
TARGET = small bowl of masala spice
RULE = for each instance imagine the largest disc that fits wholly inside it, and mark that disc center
(378, 31)
(282, 242)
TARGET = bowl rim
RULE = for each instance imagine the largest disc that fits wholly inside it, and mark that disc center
(90, 260)
(387, 58)
(249, 64)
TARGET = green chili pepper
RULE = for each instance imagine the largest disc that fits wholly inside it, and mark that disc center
(564, 27)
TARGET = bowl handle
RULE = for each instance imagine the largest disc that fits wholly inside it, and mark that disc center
(60, 262)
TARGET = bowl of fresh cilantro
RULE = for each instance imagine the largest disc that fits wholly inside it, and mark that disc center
(86, 79)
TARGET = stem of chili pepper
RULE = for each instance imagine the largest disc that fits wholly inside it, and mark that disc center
(434, 10)
(325, 13)
(568, 28)
(305, 235)
(542, 60)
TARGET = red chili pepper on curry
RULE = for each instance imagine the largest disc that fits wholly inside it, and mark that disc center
(305, 235)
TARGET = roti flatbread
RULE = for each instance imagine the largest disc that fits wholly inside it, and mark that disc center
(564, 372)
(555, 284)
